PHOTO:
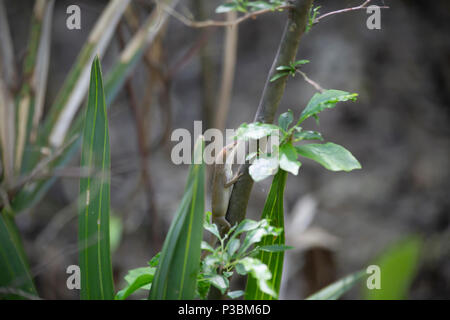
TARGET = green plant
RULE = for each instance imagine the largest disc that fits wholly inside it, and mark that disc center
(33, 146)
(179, 271)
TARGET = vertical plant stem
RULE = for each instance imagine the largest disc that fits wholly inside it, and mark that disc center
(229, 65)
(207, 72)
(270, 100)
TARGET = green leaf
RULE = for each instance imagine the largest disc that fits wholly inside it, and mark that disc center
(288, 158)
(260, 273)
(307, 135)
(300, 62)
(285, 120)
(275, 248)
(232, 246)
(278, 76)
(93, 218)
(139, 278)
(218, 281)
(235, 294)
(273, 210)
(263, 168)
(212, 228)
(336, 290)
(260, 5)
(14, 269)
(256, 131)
(322, 101)
(398, 266)
(206, 246)
(332, 156)
(176, 275)
(226, 7)
(115, 232)
(284, 68)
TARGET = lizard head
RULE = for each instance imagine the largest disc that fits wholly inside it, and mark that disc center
(228, 152)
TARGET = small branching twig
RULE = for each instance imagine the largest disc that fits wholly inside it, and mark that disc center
(360, 7)
(213, 23)
(311, 82)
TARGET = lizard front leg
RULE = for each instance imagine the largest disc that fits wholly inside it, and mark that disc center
(222, 223)
(233, 180)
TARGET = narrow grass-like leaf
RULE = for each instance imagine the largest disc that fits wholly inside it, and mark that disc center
(35, 74)
(93, 218)
(274, 211)
(74, 88)
(7, 131)
(7, 59)
(14, 269)
(132, 53)
(336, 290)
(179, 263)
(398, 266)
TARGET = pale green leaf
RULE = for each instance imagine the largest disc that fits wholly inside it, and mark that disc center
(330, 155)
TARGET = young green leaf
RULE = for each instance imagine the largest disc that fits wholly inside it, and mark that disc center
(300, 62)
(176, 275)
(398, 266)
(260, 273)
(288, 158)
(332, 156)
(139, 278)
(263, 168)
(300, 135)
(324, 100)
(93, 221)
(219, 281)
(336, 290)
(256, 131)
(235, 294)
(278, 76)
(285, 120)
(227, 7)
(273, 210)
(14, 268)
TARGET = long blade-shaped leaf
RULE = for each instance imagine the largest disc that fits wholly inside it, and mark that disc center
(32, 95)
(179, 262)
(7, 131)
(14, 270)
(397, 266)
(129, 58)
(93, 227)
(274, 211)
(74, 88)
(136, 48)
(9, 73)
(335, 290)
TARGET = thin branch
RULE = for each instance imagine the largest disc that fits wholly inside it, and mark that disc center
(213, 23)
(311, 82)
(360, 7)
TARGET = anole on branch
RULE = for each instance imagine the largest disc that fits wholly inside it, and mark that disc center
(222, 186)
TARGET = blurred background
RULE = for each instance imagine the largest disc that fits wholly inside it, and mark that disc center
(338, 222)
